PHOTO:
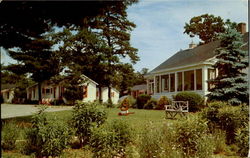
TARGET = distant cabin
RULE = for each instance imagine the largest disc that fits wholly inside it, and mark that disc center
(138, 90)
(187, 70)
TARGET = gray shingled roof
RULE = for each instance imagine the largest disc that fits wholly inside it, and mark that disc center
(192, 56)
(139, 87)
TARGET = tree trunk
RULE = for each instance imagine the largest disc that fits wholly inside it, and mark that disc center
(39, 92)
(109, 95)
(100, 94)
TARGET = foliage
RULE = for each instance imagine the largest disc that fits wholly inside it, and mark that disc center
(230, 119)
(231, 83)
(207, 27)
(151, 143)
(242, 140)
(221, 115)
(141, 100)
(85, 117)
(47, 137)
(151, 104)
(192, 137)
(111, 140)
(162, 102)
(195, 101)
(219, 139)
(9, 134)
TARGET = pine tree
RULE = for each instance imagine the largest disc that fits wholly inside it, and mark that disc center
(231, 84)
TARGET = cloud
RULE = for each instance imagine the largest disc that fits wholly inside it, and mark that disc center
(159, 31)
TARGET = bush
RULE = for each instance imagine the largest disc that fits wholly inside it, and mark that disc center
(162, 102)
(111, 140)
(142, 100)
(109, 104)
(87, 116)
(192, 137)
(210, 113)
(230, 119)
(150, 104)
(242, 140)
(195, 101)
(9, 135)
(47, 137)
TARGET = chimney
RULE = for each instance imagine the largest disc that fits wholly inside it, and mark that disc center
(241, 28)
(192, 45)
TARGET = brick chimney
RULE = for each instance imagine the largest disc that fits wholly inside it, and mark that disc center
(192, 45)
(241, 28)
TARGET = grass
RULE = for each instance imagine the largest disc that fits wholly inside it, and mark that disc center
(139, 120)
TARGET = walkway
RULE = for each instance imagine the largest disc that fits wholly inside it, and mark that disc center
(16, 110)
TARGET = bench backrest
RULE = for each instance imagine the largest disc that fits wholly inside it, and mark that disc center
(178, 106)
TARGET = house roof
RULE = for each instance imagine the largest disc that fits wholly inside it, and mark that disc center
(196, 55)
(139, 87)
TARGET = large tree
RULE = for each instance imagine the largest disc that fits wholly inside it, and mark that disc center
(114, 28)
(207, 27)
(231, 84)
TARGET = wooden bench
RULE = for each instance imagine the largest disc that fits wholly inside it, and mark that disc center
(177, 107)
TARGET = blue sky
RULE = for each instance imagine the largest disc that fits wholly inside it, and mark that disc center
(159, 31)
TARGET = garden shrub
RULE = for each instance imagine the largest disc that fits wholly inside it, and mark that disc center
(109, 104)
(242, 140)
(111, 140)
(191, 133)
(87, 116)
(219, 138)
(150, 104)
(47, 137)
(230, 119)
(9, 134)
(195, 100)
(141, 100)
(151, 143)
(162, 102)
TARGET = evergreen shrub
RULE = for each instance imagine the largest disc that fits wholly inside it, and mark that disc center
(150, 104)
(141, 100)
(162, 102)
(87, 116)
(195, 100)
(9, 134)
(47, 137)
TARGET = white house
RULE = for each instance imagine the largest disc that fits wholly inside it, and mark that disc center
(55, 92)
(114, 94)
(187, 70)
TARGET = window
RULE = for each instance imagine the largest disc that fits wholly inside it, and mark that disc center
(172, 82)
(211, 75)
(179, 78)
(189, 80)
(112, 94)
(165, 83)
(198, 79)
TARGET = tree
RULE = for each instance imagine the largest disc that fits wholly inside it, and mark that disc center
(207, 27)
(114, 28)
(231, 83)
(37, 59)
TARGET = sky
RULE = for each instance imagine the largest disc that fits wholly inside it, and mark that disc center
(160, 25)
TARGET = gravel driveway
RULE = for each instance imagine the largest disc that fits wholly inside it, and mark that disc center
(15, 110)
